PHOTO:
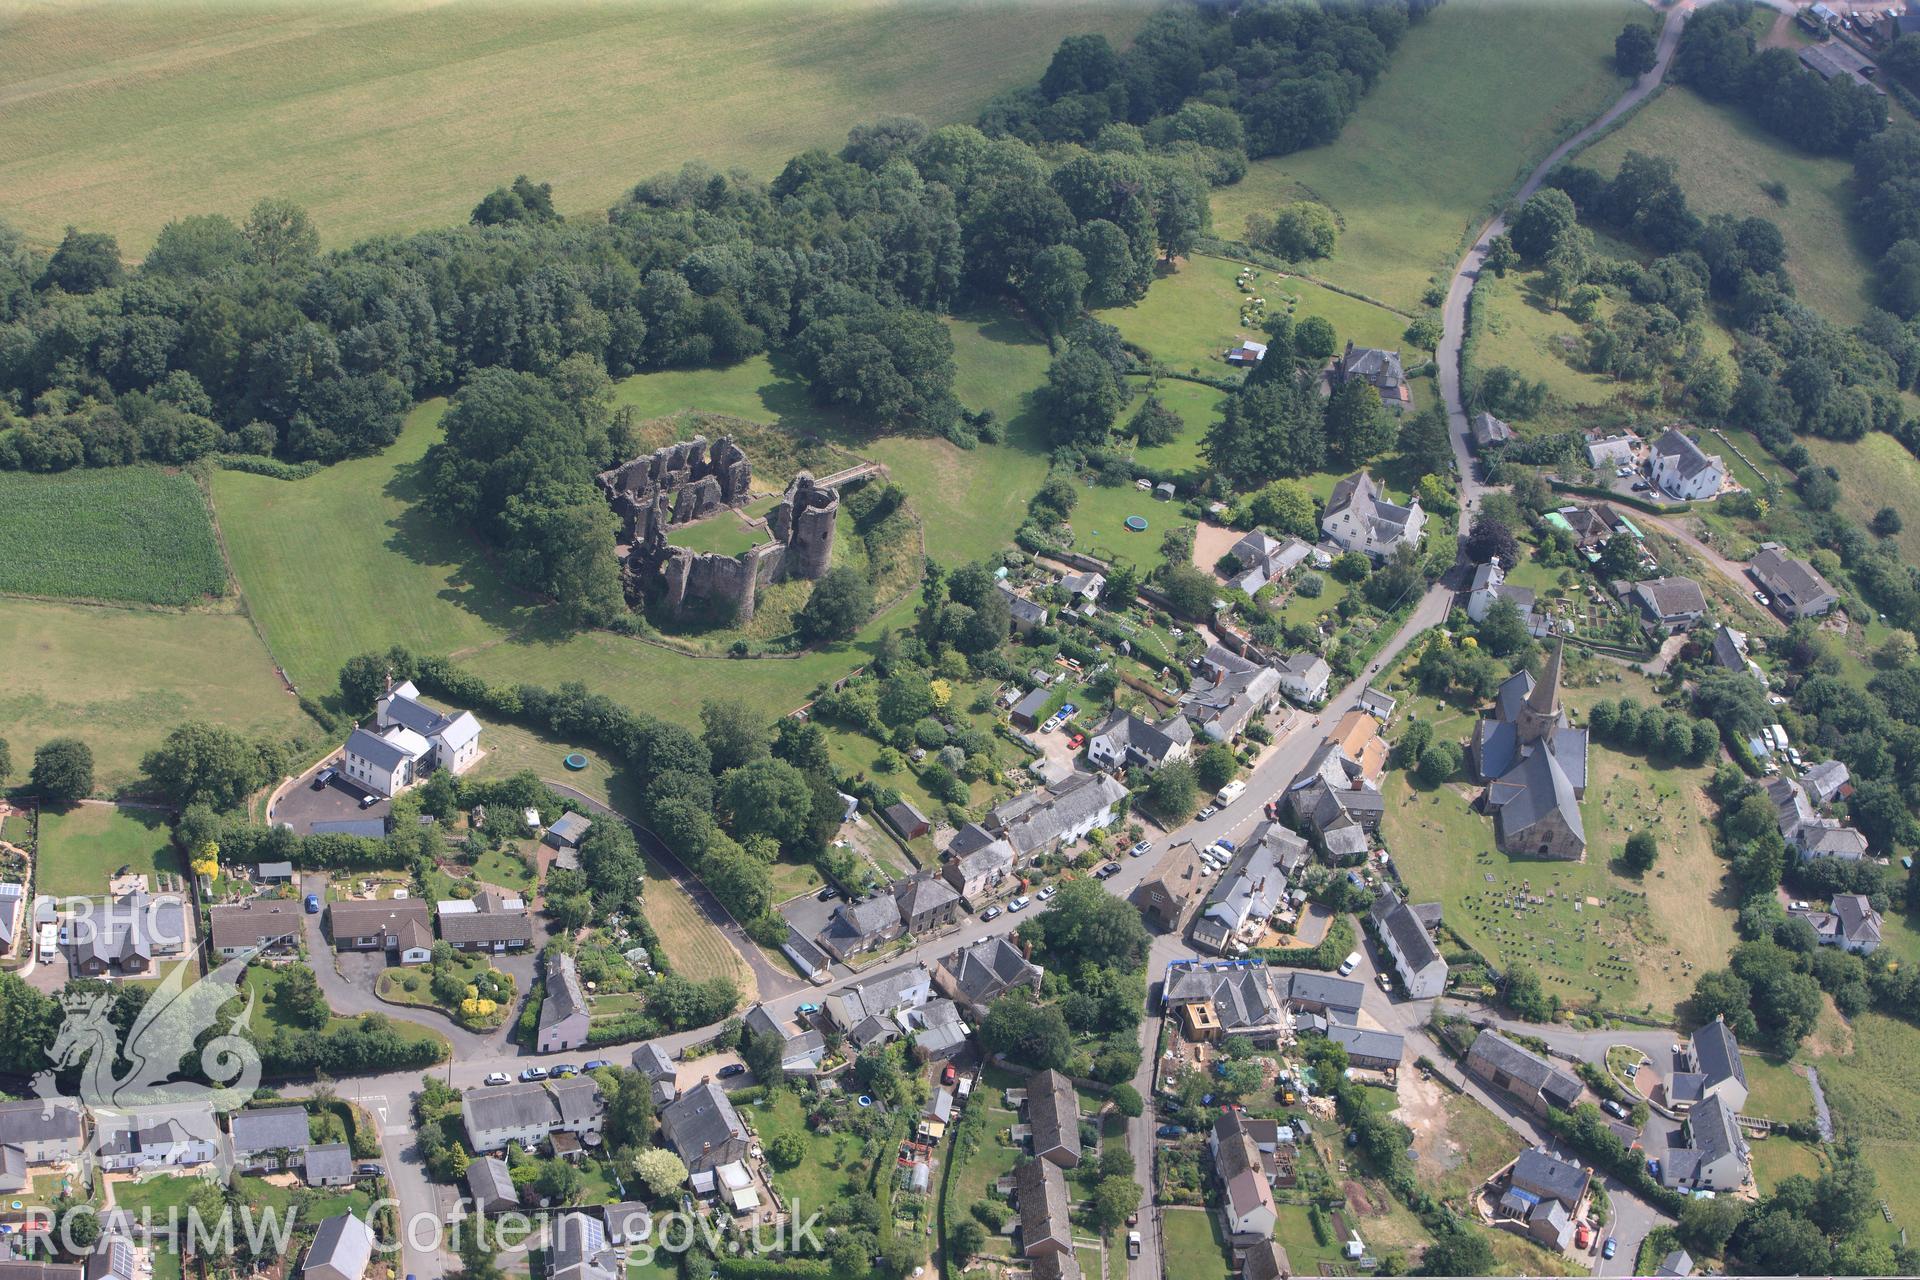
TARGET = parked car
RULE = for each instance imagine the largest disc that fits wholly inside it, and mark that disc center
(1077, 741)
(1351, 963)
(1614, 1109)
(1170, 1131)
(1386, 983)
(731, 1070)
(1049, 891)
(596, 1064)
(1653, 1168)
(322, 778)
(1607, 1250)
(313, 904)
(1761, 597)
(372, 1169)
(827, 894)
(532, 1074)
(564, 1071)
(949, 1075)
(1068, 710)
(808, 1009)
(1141, 849)
(1133, 1244)
(499, 1077)
(369, 800)
(1020, 903)
(1207, 812)
(1111, 869)
(991, 913)
(1225, 843)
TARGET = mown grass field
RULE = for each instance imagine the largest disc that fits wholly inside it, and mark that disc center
(137, 534)
(397, 114)
(1723, 159)
(82, 848)
(1409, 179)
(120, 679)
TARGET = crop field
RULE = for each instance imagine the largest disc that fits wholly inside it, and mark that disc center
(82, 848)
(120, 679)
(1591, 933)
(1408, 181)
(137, 534)
(397, 114)
(1190, 317)
(1724, 158)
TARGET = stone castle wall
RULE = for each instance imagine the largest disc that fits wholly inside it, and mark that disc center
(687, 481)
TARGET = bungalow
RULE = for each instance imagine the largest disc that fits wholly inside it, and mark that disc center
(926, 903)
(1794, 587)
(154, 1140)
(1670, 604)
(1304, 677)
(978, 974)
(1713, 1155)
(1359, 517)
(1053, 1113)
(859, 927)
(1613, 451)
(1026, 614)
(1376, 366)
(268, 1138)
(258, 924)
(490, 920)
(376, 924)
(981, 873)
(1369, 1049)
(1729, 649)
(704, 1130)
(1422, 972)
(127, 935)
(1127, 739)
(563, 1013)
(1523, 1075)
(1229, 693)
(342, 1248)
(1041, 1189)
(328, 1165)
(1681, 469)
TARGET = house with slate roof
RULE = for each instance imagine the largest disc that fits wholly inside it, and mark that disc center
(1216, 998)
(42, 1131)
(703, 1128)
(1249, 892)
(1304, 677)
(1808, 831)
(491, 920)
(865, 1011)
(1359, 517)
(982, 872)
(263, 1139)
(580, 1250)
(1043, 820)
(1379, 367)
(1539, 1172)
(1729, 649)
(1229, 693)
(1534, 762)
(1669, 605)
(801, 1050)
(567, 831)
(328, 1165)
(1794, 587)
(1126, 740)
(1422, 971)
(1246, 1196)
(1826, 781)
(1053, 1113)
(153, 1139)
(976, 975)
(1683, 470)
(258, 924)
(1858, 924)
(1266, 1260)
(127, 935)
(1368, 1049)
(408, 741)
(859, 927)
(1263, 559)
(926, 903)
(1488, 430)
(1677, 1264)
(1522, 1075)
(342, 1248)
(1489, 585)
(563, 1013)
(1709, 1067)
(1026, 614)
(1041, 1192)
(1713, 1153)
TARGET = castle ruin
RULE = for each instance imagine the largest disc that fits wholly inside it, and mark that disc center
(681, 483)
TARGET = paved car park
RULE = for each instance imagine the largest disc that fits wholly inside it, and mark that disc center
(301, 804)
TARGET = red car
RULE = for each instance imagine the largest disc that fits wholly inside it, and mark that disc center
(1077, 741)
(948, 1076)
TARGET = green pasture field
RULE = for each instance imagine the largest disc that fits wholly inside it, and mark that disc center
(81, 848)
(138, 534)
(1866, 1075)
(1875, 471)
(1723, 158)
(1522, 331)
(1410, 181)
(1645, 942)
(395, 115)
(1191, 316)
(121, 679)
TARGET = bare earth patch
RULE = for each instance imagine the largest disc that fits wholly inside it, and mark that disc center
(1210, 542)
(1423, 1109)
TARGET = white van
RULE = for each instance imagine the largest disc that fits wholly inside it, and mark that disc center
(1351, 963)
(1231, 792)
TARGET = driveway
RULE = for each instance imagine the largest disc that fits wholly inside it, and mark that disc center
(300, 805)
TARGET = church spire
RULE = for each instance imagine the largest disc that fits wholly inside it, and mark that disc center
(1542, 714)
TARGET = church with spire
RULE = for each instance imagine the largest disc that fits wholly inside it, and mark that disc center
(1533, 761)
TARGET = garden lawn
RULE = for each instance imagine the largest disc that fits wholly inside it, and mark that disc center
(1191, 315)
(138, 534)
(1409, 181)
(121, 679)
(1198, 406)
(388, 117)
(1778, 1157)
(1775, 1090)
(267, 1017)
(833, 1167)
(1194, 1248)
(1099, 524)
(82, 848)
(1723, 158)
